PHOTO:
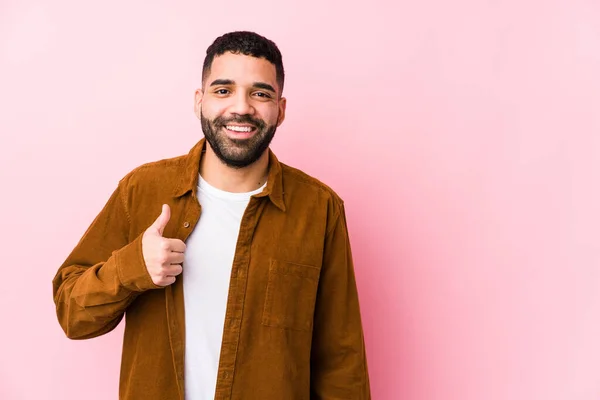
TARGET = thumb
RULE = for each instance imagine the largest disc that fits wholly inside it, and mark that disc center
(162, 219)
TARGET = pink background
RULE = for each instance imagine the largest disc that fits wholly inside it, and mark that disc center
(464, 136)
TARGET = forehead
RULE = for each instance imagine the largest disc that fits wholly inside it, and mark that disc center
(242, 69)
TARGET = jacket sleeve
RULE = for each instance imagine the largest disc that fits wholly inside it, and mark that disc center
(338, 360)
(102, 275)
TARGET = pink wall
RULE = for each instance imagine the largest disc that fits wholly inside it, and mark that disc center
(463, 135)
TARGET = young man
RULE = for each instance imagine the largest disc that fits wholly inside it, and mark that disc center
(242, 287)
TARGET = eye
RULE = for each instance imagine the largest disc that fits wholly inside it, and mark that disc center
(263, 95)
(221, 91)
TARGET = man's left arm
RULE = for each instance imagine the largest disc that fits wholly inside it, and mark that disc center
(338, 359)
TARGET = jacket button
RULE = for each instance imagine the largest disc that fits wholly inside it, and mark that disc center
(186, 224)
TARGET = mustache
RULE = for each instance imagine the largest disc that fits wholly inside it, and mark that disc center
(240, 119)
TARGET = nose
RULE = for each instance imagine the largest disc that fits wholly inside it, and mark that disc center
(241, 104)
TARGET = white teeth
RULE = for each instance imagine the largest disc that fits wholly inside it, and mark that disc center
(239, 128)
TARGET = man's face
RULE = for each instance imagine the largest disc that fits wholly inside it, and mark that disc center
(240, 108)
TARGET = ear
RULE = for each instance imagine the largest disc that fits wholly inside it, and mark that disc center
(198, 102)
(282, 104)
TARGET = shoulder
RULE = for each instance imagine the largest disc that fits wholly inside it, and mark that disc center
(300, 185)
(155, 169)
(161, 175)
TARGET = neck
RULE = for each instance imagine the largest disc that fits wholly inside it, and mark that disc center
(235, 180)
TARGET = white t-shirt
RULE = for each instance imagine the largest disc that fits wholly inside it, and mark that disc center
(206, 274)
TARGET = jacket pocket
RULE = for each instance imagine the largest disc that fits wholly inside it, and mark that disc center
(291, 295)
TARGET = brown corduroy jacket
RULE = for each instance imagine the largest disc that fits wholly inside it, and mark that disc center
(292, 326)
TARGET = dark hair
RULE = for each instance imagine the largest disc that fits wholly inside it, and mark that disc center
(249, 44)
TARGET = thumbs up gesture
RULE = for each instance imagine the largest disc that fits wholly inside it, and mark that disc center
(163, 256)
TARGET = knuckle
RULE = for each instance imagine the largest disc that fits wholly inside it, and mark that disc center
(163, 281)
(157, 281)
(168, 281)
(163, 258)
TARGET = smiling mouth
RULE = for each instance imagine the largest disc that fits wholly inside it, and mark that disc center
(238, 128)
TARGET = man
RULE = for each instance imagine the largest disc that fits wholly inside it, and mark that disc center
(243, 287)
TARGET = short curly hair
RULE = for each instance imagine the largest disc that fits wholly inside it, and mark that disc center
(247, 43)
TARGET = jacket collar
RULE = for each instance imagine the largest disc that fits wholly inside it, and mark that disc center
(187, 179)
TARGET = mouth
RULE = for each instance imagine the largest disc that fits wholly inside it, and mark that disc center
(240, 131)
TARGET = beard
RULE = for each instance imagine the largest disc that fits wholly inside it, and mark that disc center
(237, 153)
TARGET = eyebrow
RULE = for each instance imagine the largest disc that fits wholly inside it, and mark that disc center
(265, 86)
(258, 85)
(218, 82)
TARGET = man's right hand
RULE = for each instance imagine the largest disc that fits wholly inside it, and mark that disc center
(163, 256)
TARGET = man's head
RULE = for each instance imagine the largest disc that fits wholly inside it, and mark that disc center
(240, 104)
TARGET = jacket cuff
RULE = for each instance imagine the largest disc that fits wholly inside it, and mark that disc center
(131, 267)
